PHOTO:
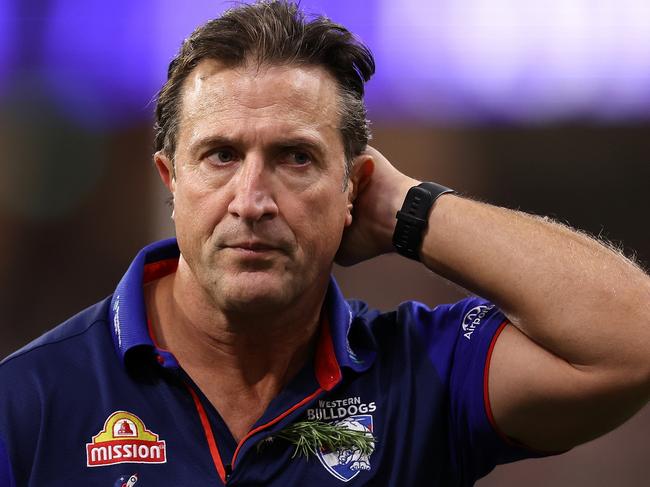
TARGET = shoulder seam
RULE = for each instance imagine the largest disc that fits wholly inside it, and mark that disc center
(54, 342)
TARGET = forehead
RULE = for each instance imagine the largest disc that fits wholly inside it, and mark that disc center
(291, 98)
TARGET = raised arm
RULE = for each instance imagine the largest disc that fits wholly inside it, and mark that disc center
(575, 361)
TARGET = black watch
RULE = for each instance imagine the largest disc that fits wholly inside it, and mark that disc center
(413, 217)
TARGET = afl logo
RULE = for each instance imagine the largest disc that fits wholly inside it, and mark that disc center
(473, 318)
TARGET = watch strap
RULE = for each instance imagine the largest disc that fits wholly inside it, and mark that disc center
(413, 218)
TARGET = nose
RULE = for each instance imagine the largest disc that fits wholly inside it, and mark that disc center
(253, 199)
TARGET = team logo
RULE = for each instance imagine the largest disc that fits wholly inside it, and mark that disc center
(125, 481)
(346, 463)
(473, 318)
(125, 439)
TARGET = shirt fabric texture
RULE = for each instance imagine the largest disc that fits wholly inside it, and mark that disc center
(95, 402)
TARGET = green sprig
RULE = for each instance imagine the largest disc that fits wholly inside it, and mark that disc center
(310, 437)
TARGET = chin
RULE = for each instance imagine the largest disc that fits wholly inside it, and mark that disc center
(254, 294)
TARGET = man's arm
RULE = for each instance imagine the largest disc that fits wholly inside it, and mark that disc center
(576, 363)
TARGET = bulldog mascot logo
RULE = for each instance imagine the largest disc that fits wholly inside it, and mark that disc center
(346, 463)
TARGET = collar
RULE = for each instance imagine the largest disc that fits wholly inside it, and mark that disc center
(130, 331)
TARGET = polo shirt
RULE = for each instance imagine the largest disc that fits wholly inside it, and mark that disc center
(95, 402)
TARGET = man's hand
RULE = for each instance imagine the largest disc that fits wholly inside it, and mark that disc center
(378, 192)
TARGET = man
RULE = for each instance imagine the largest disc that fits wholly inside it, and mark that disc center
(231, 357)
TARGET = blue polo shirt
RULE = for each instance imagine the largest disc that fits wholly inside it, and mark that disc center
(94, 402)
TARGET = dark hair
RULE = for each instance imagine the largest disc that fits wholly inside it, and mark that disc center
(273, 32)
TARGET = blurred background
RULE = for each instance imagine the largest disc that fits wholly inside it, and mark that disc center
(541, 106)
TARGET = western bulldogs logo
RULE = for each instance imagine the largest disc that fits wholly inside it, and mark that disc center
(346, 463)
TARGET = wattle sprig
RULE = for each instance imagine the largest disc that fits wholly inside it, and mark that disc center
(310, 437)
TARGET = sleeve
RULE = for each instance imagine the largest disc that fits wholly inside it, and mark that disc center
(459, 340)
(6, 474)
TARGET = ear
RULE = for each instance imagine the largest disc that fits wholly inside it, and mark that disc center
(362, 168)
(165, 170)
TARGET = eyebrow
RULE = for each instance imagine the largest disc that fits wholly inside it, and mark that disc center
(209, 141)
(300, 141)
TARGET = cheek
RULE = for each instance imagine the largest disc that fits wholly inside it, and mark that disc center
(197, 212)
(321, 225)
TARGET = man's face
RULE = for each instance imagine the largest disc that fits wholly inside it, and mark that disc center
(258, 188)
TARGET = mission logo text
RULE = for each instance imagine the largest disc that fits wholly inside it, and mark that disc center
(125, 439)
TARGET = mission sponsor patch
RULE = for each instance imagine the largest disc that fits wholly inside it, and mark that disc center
(125, 439)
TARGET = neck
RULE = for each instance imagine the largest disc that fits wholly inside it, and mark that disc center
(244, 353)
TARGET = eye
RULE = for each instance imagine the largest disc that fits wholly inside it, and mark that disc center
(221, 156)
(299, 158)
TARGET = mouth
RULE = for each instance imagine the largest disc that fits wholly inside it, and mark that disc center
(253, 248)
